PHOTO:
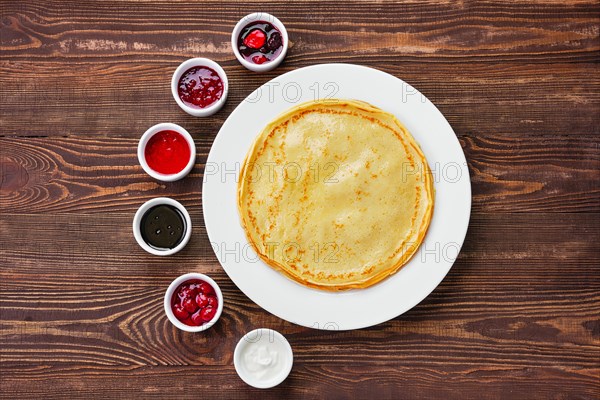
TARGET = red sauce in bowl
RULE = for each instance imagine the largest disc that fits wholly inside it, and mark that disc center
(167, 152)
(194, 302)
(200, 87)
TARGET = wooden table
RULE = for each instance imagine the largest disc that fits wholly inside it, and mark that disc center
(517, 317)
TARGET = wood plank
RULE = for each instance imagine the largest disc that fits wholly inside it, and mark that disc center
(387, 378)
(566, 244)
(95, 175)
(128, 97)
(545, 30)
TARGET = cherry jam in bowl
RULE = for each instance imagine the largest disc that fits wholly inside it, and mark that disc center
(166, 152)
(200, 87)
(259, 42)
(193, 302)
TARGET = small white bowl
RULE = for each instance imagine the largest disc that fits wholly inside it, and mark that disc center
(199, 62)
(169, 295)
(166, 126)
(264, 335)
(137, 222)
(248, 19)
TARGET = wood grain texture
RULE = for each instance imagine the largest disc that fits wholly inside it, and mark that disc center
(517, 317)
(129, 97)
(481, 315)
(121, 56)
(360, 380)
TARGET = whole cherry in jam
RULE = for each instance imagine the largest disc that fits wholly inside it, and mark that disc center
(207, 313)
(201, 300)
(194, 302)
(196, 318)
(255, 39)
(200, 87)
(260, 42)
(180, 312)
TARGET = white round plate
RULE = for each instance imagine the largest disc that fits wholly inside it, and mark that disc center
(355, 308)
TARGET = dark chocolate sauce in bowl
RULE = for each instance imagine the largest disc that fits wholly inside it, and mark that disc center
(163, 227)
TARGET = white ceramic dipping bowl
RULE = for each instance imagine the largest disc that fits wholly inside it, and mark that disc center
(141, 151)
(255, 17)
(137, 222)
(285, 357)
(199, 62)
(169, 295)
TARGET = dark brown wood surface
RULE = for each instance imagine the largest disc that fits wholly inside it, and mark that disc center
(517, 317)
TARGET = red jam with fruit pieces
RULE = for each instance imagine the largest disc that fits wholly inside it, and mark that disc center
(260, 42)
(194, 302)
(199, 87)
(167, 152)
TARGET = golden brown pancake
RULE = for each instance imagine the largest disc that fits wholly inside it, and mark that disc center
(335, 194)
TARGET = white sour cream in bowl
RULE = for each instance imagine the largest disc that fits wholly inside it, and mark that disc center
(263, 358)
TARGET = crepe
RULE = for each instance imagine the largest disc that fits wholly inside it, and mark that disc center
(336, 194)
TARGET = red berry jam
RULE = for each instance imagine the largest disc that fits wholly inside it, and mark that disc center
(199, 87)
(260, 42)
(167, 152)
(194, 302)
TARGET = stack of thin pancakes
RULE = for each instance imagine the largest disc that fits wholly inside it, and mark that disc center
(335, 194)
